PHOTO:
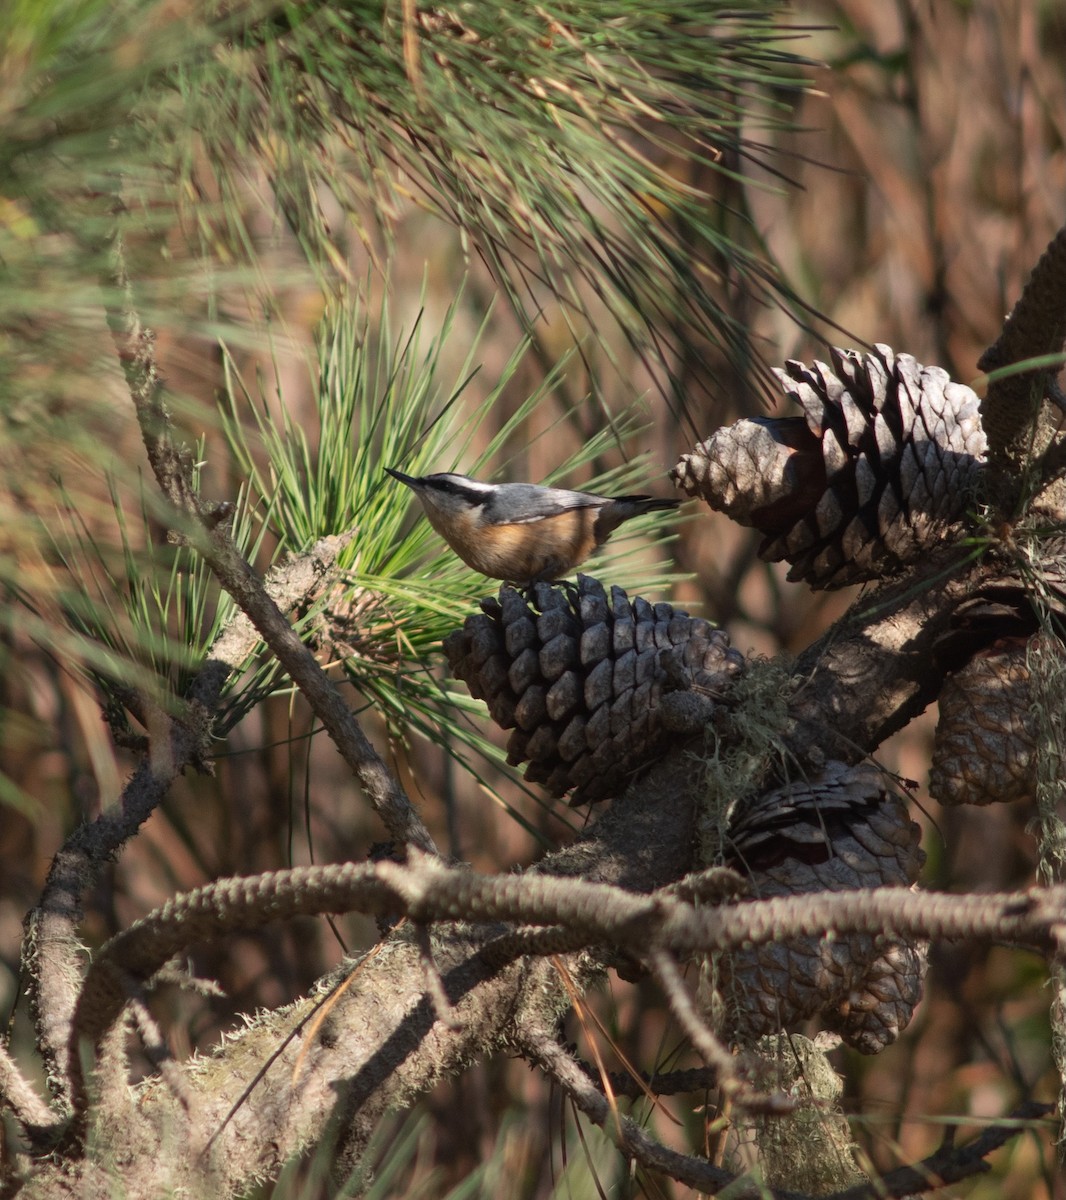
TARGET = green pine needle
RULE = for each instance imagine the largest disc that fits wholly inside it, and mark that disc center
(579, 147)
(383, 398)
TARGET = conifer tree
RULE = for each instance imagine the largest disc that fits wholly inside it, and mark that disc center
(253, 253)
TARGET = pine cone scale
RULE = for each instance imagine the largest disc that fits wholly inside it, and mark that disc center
(844, 831)
(878, 473)
(583, 692)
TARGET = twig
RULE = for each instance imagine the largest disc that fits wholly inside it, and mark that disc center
(289, 583)
(51, 953)
(655, 1083)
(384, 792)
(171, 464)
(710, 1049)
(541, 942)
(442, 1006)
(18, 1095)
(948, 1164)
(112, 1094)
(545, 1051)
(155, 1046)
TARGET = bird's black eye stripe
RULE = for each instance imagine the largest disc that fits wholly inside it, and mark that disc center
(472, 496)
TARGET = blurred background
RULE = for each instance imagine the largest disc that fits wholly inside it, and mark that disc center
(924, 176)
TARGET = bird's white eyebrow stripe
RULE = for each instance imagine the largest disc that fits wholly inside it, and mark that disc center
(459, 483)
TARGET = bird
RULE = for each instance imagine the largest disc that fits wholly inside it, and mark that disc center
(522, 533)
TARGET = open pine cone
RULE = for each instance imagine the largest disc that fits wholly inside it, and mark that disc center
(580, 676)
(879, 468)
(844, 831)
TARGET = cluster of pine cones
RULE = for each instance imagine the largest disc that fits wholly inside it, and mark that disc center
(880, 469)
(584, 678)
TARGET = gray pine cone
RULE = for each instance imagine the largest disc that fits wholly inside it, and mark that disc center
(986, 736)
(845, 831)
(580, 678)
(877, 470)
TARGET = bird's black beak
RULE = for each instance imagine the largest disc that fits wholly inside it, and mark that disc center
(408, 479)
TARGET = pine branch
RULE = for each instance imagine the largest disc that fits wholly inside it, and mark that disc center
(51, 952)
(239, 579)
(545, 139)
(206, 528)
(656, 1083)
(949, 1164)
(172, 463)
(19, 1096)
(394, 1050)
(600, 914)
(381, 1038)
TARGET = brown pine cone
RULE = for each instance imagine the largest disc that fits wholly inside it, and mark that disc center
(845, 831)
(878, 469)
(580, 678)
(986, 738)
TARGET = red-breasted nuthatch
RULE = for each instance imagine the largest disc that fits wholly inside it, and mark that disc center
(521, 532)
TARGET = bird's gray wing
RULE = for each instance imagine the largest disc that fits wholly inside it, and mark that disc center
(520, 503)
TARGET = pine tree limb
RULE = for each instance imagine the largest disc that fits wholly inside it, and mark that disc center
(206, 528)
(949, 1164)
(51, 952)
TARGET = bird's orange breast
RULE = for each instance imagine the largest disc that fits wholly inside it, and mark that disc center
(522, 553)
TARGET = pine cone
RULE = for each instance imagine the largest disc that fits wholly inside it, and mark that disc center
(986, 737)
(580, 679)
(844, 832)
(876, 471)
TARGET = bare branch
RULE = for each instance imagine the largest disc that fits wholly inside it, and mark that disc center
(155, 1046)
(630, 1138)
(710, 1049)
(51, 952)
(172, 464)
(945, 1166)
(949, 1164)
(289, 583)
(383, 1037)
(18, 1095)
(656, 1083)
(600, 913)
(431, 974)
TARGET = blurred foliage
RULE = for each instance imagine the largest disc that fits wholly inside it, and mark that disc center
(556, 136)
(180, 127)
